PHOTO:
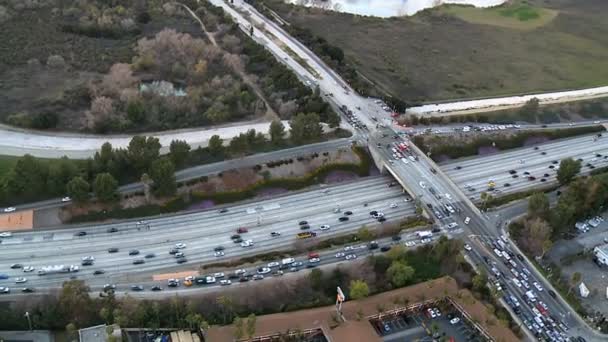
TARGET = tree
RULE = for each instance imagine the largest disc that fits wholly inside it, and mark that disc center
(27, 179)
(568, 169)
(162, 173)
(179, 151)
(534, 234)
(251, 322)
(480, 280)
(78, 189)
(75, 304)
(530, 108)
(538, 206)
(358, 289)
(305, 128)
(59, 174)
(315, 277)
(400, 273)
(364, 234)
(142, 152)
(276, 132)
(136, 111)
(71, 330)
(105, 186)
(216, 145)
(238, 328)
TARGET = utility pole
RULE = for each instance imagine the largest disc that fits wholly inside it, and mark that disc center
(29, 321)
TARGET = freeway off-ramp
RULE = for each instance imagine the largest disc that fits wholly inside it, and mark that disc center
(201, 231)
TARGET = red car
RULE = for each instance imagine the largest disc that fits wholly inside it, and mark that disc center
(313, 255)
(242, 230)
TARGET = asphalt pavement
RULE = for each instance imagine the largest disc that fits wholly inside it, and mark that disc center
(201, 231)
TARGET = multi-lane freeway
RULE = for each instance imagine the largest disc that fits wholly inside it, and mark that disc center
(525, 168)
(202, 232)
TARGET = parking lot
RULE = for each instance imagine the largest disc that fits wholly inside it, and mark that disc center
(594, 277)
(420, 326)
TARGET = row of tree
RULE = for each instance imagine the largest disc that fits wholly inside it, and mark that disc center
(33, 179)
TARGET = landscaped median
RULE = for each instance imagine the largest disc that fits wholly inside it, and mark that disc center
(182, 202)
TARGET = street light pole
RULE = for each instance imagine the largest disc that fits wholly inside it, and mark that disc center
(29, 322)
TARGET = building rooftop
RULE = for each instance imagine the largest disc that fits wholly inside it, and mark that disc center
(27, 336)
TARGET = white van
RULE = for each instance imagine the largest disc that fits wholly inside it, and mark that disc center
(467, 220)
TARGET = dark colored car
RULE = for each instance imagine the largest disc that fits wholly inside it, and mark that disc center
(138, 261)
(27, 290)
(238, 240)
(304, 227)
(385, 248)
(156, 288)
(15, 266)
(182, 260)
(219, 248)
(373, 245)
(80, 234)
(343, 218)
(436, 230)
(172, 251)
(396, 238)
(381, 219)
(348, 213)
(242, 230)
(150, 255)
(87, 263)
(302, 223)
(112, 250)
(98, 272)
(552, 293)
(112, 230)
(133, 252)
(235, 236)
(137, 288)
(223, 210)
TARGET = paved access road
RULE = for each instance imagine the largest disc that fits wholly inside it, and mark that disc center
(201, 231)
(539, 161)
(215, 168)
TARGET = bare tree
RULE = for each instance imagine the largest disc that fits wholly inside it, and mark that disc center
(102, 108)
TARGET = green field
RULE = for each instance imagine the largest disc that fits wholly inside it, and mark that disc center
(462, 52)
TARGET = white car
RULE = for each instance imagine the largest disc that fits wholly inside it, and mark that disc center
(247, 243)
(340, 255)
(240, 271)
(273, 264)
(407, 199)
(210, 280)
(88, 258)
(431, 313)
(467, 220)
(5, 290)
(425, 241)
(410, 243)
(6, 234)
(225, 282)
(66, 199)
(538, 287)
(422, 184)
(351, 257)
(467, 247)
(325, 227)
(455, 320)
(393, 205)
(314, 260)
(28, 269)
(180, 245)
(348, 248)
(516, 282)
(9, 209)
(452, 225)
(20, 280)
(218, 254)
(189, 278)
(219, 275)
(264, 270)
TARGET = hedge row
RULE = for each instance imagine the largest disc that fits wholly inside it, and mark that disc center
(179, 203)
